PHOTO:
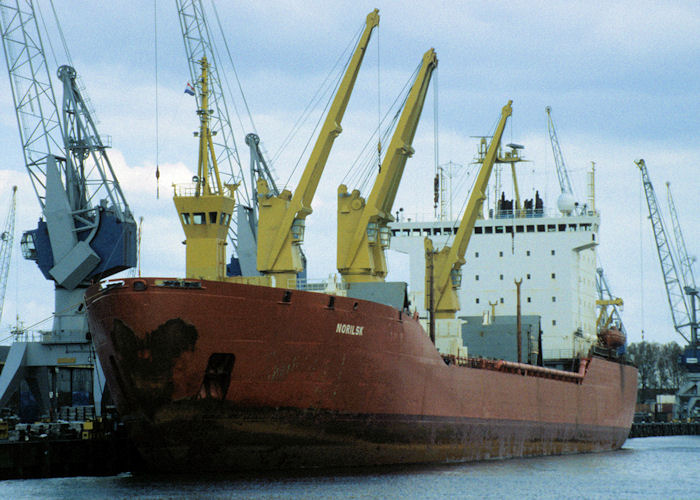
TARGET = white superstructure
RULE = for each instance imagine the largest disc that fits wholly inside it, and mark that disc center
(553, 253)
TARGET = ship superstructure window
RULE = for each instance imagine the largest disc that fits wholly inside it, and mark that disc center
(407, 232)
(501, 277)
(476, 254)
(527, 253)
(519, 229)
(478, 230)
(500, 254)
(436, 230)
(499, 229)
(185, 218)
(554, 299)
(476, 278)
(509, 229)
(553, 252)
(501, 300)
(488, 229)
(212, 217)
(551, 228)
(416, 231)
(572, 227)
(199, 218)
(562, 227)
(529, 299)
(477, 300)
(530, 228)
(554, 276)
(528, 276)
(540, 228)
(447, 230)
(554, 322)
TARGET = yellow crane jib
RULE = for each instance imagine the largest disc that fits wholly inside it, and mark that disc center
(281, 218)
(204, 208)
(445, 275)
(363, 232)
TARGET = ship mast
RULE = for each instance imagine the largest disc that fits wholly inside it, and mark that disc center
(203, 207)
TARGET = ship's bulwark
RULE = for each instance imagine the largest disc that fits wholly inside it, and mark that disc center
(221, 376)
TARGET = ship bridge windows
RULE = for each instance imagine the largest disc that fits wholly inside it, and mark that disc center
(478, 230)
(562, 227)
(185, 218)
(225, 219)
(540, 228)
(447, 230)
(585, 227)
(551, 228)
(530, 228)
(407, 232)
(212, 217)
(436, 231)
(509, 229)
(488, 229)
(572, 227)
(416, 231)
(499, 229)
(519, 228)
(199, 218)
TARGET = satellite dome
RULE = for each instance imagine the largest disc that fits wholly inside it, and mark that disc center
(566, 203)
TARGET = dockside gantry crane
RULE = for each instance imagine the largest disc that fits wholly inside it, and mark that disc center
(282, 217)
(7, 239)
(87, 230)
(443, 268)
(363, 232)
(683, 310)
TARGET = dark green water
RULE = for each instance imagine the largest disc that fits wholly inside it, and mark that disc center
(658, 468)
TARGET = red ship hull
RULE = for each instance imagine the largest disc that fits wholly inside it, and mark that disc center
(222, 376)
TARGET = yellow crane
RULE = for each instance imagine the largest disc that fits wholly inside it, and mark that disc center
(281, 219)
(363, 233)
(443, 268)
(203, 206)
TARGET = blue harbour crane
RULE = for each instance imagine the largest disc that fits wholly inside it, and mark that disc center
(86, 231)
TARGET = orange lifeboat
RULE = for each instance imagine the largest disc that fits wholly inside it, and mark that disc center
(612, 337)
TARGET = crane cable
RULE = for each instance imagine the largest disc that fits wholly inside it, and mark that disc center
(360, 176)
(318, 96)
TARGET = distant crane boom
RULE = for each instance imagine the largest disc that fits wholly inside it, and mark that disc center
(562, 174)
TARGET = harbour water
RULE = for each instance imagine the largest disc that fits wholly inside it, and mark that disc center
(655, 468)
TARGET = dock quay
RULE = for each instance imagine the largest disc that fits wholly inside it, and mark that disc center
(650, 429)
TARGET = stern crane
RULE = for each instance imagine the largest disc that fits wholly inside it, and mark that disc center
(443, 268)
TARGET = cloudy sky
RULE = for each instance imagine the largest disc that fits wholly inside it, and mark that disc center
(622, 78)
